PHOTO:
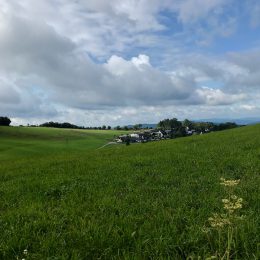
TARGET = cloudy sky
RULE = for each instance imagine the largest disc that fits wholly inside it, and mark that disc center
(117, 62)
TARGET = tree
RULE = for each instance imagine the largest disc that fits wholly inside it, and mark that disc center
(137, 126)
(224, 126)
(109, 127)
(104, 127)
(203, 126)
(60, 125)
(118, 127)
(174, 123)
(5, 121)
(187, 123)
(180, 132)
(169, 124)
(164, 124)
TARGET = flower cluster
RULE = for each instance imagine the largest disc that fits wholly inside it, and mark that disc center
(226, 224)
(229, 183)
(25, 253)
(219, 221)
(232, 204)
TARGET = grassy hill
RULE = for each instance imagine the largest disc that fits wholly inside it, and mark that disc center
(21, 142)
(60, 198)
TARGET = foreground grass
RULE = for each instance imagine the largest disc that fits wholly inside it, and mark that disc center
(137, 202)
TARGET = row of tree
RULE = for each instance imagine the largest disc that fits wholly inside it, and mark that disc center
(69, 125)
(134, 127)
(180, 127)
(104, 127)
(166, 124)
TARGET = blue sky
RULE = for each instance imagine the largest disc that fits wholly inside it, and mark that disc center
(124, 62)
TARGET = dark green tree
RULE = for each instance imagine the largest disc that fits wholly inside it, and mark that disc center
(168, 124)
(5, 121)
(137, 126)
(187, 123)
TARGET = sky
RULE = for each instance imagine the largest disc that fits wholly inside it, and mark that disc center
(120, 62)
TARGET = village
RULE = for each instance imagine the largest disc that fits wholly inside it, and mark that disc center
(148, 135)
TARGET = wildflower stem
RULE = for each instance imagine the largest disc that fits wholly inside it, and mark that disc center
(219, 221)
(229, 243)
(219, 240)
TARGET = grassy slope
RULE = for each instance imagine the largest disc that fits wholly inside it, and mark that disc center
(21, 142)
(140, 201)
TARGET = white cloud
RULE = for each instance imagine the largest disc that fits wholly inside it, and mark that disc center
(141, 60)
(100, 59)
(218, 97)
(189, 11)
(249, 107)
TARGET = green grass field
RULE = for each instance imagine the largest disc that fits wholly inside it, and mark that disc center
(24, 142)
(62, 198)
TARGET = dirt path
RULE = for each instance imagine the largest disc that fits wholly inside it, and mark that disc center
(110, 143)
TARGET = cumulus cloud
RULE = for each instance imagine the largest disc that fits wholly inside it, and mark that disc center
(96, 58)
(71, 78)
(249, 64)
(138, 80)
(217, 97)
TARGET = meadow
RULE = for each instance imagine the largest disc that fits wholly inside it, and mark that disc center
(25, 142)
(62, 198)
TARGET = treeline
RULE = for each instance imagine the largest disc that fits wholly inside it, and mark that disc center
(134, 127)
(60, 125)
(103, 127)
(180, 127)
(183, 127)
(69, 125)
(72, 126)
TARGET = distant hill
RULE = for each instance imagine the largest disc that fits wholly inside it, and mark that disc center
(144, 126)
(239, 121)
